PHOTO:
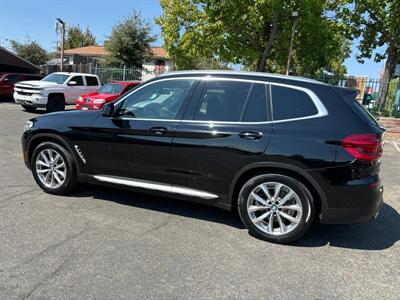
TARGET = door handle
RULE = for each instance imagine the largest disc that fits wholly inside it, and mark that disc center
(250, 135)
(158, 130)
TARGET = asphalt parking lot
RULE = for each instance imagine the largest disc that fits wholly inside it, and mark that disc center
(105, 243)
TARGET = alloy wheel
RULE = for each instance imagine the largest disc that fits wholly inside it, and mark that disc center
(274, 208)
(50, 168)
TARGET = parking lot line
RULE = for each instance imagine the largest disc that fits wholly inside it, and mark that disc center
(397, 147)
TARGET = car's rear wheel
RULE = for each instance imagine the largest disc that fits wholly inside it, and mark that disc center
(53, 168)
(29, 108)
(55, 104)
(276, 208)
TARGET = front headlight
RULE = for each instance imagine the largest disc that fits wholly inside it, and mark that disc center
(80, 98)
(99, 101)
(28, 125)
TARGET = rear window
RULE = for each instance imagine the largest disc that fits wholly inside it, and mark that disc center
(365, 114)
(91, 81)
(290, 103)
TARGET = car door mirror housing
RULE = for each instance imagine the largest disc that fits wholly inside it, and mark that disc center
(108, 109)
(72, 82)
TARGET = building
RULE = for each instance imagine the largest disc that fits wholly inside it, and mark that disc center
(11, 63)
(159, 62)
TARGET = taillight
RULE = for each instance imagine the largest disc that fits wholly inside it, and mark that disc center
(363, 146)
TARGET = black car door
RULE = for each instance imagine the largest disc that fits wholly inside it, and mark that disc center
(226, 127)
(135, 143)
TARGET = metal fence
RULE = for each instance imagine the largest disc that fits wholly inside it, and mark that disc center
(105, 74)
(372, 93)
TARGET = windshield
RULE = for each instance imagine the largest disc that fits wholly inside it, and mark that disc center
(57, 78)
(111, 89)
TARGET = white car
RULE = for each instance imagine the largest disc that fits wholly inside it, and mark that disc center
(54, 91)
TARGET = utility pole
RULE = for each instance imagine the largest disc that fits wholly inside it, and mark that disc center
(295, 16)
(61, 26)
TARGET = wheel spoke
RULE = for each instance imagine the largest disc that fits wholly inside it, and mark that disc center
(259, 199)
(60, 173)
(262, 217)
(43, 171)
(47, 161)
(62, 165)
(287, 217)
(292, 207)
(49, 153)
(287, 197)
(282, 225)
(278, 187)
(57, 178)
(271, 223)
(46, 179)
(264, 188)
(41, 163)
(254, 208)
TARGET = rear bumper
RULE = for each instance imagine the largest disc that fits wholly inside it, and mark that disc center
(350, 215)
(354, 193)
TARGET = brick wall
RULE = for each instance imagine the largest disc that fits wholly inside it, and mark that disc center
(391, 124)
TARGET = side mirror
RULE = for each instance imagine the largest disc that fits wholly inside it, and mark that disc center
(108, 109)
(72, 82)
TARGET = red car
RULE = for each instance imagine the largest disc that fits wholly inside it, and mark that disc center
(107, 93)
(7, 81)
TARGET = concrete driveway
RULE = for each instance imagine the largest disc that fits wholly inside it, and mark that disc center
(102, 243)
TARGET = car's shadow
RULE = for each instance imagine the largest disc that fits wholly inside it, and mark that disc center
(378, 234)
(162, 204)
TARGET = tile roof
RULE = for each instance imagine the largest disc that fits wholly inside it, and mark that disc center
(158, 52)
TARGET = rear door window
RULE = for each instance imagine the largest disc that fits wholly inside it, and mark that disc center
(256, 110)
(290, 103)
(91, 81)
(222, 100)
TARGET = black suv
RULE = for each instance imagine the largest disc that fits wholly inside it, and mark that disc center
(282, 150)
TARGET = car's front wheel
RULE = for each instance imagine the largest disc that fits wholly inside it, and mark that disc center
(53, 168)
(276, 208)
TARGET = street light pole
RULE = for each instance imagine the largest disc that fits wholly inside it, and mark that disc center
(295, 15)
(61, 24)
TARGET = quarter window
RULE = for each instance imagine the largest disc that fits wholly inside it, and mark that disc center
(159, 100)
(222, 101)
(289, 103)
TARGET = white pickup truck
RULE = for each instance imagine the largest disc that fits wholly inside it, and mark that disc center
(54, 91)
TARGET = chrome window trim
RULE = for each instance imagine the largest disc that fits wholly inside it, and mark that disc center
(151, 185)
(322, 111)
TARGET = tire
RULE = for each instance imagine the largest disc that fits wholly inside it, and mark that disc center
(256, 215)
(51, 150)
(29, 108)
(55, 103)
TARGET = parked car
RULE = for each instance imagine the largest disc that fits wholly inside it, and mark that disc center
(7, 81)
(282, 150)
(54, 91)
(107, 93)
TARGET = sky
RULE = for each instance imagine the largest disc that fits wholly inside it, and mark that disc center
(35, 20)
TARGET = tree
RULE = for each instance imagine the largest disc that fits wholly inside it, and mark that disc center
(376, 23)
(76, 38)
(31, 51)
(129, 43)
(253, 33)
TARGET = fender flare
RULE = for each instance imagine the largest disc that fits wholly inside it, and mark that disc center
(279, 165)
